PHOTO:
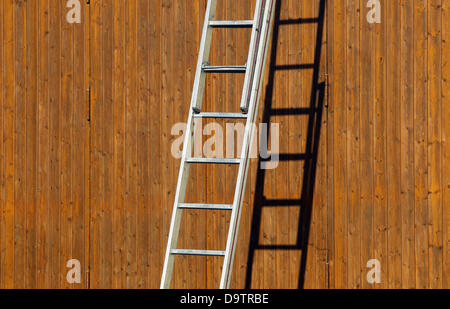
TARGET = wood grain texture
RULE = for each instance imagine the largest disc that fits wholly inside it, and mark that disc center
(340, 175)
(446, 139)
(353, 143)
(434, 164)
(420, 146)
(2, 156)
(393, 159)
(380, 148)
(364, 174)
(43, 152)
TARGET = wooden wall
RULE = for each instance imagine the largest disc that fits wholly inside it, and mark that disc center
(388, 173)
(43, 144)
(365, 158)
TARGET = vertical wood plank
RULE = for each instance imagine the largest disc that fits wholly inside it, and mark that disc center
(87, 186)
(31, 145)
(435, 210)
(296, 133)
(393, 19)
(330, 116)
(380, 151)
(196, 221)
(131, 142)
(191, 268)
(233, 92)
(367, 73)
(66, 162)
(9, 125)
(95, 150)
(446, 138)
(321, 190)
(156, 240)
(2, 154)
(340, 151)
(20, 183)
(421, 142)
(55, 143)
(407, 151)
(353, 143)
(267, 236)
(167, 171)
(144, 155)
(79, 151)
(107, 141)
(119, 250)
(44, 148)
(280, 234)
(308, 212)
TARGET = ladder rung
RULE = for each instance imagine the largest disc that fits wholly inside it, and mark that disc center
(221, 115)
(197, 252)
(213, 161)
(224, 68)
(206, 206)
(231, 23)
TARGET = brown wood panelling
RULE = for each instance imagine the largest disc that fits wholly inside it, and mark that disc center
(435, 154)
(419, 269)
(446, 141)
(393, 157)
(402, 214)
(365, 159)
(43, 145)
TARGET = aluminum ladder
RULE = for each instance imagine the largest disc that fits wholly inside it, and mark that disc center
(261, 25)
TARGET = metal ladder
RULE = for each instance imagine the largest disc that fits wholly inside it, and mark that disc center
(254, 70)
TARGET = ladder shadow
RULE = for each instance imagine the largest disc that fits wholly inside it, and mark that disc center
(314, 113)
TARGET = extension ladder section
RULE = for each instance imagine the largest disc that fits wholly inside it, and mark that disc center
(261, 26)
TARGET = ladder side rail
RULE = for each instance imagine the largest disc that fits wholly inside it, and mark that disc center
(203, 59)
(243, 170)
(245, 101)
(196, 102)
(251, 54)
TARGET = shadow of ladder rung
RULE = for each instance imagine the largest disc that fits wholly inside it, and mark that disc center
(310, 154)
